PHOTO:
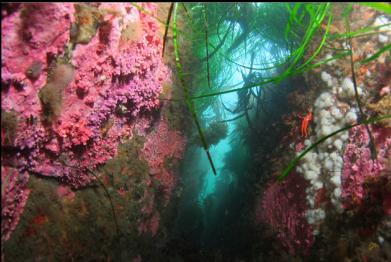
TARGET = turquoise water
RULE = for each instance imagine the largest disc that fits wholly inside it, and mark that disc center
(218, 152)
(242, 73)
(211, 204)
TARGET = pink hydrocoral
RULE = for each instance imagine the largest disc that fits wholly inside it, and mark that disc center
(30, 140)
(358, 164)
(283, 207)
(14, 195)
(77, 179)
(159, 146)
(74, 134)
(28, 36)
(110, 74)
(127, 74)
(115, 80)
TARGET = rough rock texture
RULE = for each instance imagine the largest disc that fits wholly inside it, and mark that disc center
(161, 148)
(81, 78)
(359, 168)
(27, 38)
(113, 79)
(344, 180)
(283, 207)
(14, 195)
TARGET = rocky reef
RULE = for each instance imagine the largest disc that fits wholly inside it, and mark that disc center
(343, 179)
(79, 81)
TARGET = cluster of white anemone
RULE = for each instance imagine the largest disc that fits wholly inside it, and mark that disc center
(386, 30)
(333, 110)
(322, 167)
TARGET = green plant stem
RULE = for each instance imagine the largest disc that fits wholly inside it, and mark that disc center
(382, 7)
(188, 100)
(359, 33)
(376, 55)
(295, 161)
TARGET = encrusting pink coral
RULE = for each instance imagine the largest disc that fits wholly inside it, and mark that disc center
(109, 75)
(24, 42)
(116, 78)
(159, 146)
(283, 208)
(359, 167)
(14, 195)
(74, 134)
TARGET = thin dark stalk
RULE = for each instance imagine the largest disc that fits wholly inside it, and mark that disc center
(104, 188)
(250, 125)
(264, 108)
(108, 196)
(206, 44)
(217, 48)
(362, 116)
(227, 108)
(188, 100)
(184, 8)
(258, 104)
(232, 119)
(233, 111)
(167, 26)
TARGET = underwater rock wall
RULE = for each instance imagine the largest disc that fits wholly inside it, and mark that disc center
(14, 195)
(283, 207)
(360, 170)
(344, 180)
(341, 161)
(78, 80)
